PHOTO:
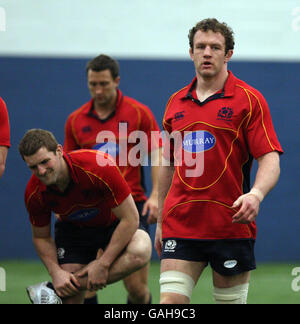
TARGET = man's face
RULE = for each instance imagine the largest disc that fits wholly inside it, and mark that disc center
(209, 53)
(102, 86)
(46, 165)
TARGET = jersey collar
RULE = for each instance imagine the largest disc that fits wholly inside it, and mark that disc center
(91, 109)
(227, 91)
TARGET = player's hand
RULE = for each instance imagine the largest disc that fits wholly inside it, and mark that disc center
(249, 207)
(151, 207)
(158, 239)
(65, 284)
(97, 275)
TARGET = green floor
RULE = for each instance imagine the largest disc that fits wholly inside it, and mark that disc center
(270, 284)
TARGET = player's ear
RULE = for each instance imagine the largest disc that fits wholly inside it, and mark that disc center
(191, 52)
(59, 150)
(228, 56)
(117, 80)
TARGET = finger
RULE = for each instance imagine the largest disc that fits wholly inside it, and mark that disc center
(238, 202)
(151, 219)
(145, 209)
(82, 273)
(99, 254)
(75, 282)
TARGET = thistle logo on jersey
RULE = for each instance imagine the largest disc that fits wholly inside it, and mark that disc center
(198, 141)
(83, 215)
(170, 246)
(225, 113)
(110, 148)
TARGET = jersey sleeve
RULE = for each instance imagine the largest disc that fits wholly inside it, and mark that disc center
(150, 127)
(260, 132)
(70, 143)
(4, 125)
(39, 215)
(168, 143)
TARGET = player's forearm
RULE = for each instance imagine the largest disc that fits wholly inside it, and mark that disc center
(166, 176)
(155, 165)
(3, 155)
(46, 250)
(267, 173)
(129, 222)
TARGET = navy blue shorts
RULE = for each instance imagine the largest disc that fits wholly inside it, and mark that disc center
(226, 257)
(79, 245)
(143, 219)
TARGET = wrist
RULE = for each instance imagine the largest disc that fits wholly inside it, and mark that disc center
(257, 193)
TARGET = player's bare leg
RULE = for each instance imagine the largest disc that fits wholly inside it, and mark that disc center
(178, 278)
(137, 286)
(79, 298)
(136, 255)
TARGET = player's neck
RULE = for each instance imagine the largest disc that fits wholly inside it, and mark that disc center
(104, 110)
(64, 178)
(209, 86)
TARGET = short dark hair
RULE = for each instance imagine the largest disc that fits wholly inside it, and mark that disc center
(104, 62)
(34, 139)
(214, 25)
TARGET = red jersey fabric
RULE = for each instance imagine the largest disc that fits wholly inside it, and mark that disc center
(83, 127)
(224, 133)
(89, 198)
(4, 125)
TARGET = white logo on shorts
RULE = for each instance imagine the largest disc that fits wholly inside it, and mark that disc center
(229, 264)
(61, 253)
(170, 246)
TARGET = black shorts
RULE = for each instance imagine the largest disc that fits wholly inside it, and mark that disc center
(143, 219)
(80, 244)
(226, 257)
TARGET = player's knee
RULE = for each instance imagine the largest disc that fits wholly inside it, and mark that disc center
(176, 287)
(234, 295)
(141, 249)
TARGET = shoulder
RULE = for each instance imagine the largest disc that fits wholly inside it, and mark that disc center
(174, 102)
(32, 191)
(79, 111)
(3, 108)
(92, 161)
(244, 89)
(2, 103)
(135, 105)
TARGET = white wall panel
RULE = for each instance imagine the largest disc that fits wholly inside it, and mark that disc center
(264, 29)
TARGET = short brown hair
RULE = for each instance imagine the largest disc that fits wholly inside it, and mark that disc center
(34, 139)
(214, 25)
(104, 62)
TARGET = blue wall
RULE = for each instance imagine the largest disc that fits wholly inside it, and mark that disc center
(41, 92)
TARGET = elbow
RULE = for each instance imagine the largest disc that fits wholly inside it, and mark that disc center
(2, 169)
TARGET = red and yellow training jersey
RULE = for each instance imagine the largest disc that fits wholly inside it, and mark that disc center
(84, 129)
(89, 198)
(4, 125)
(214, 143)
